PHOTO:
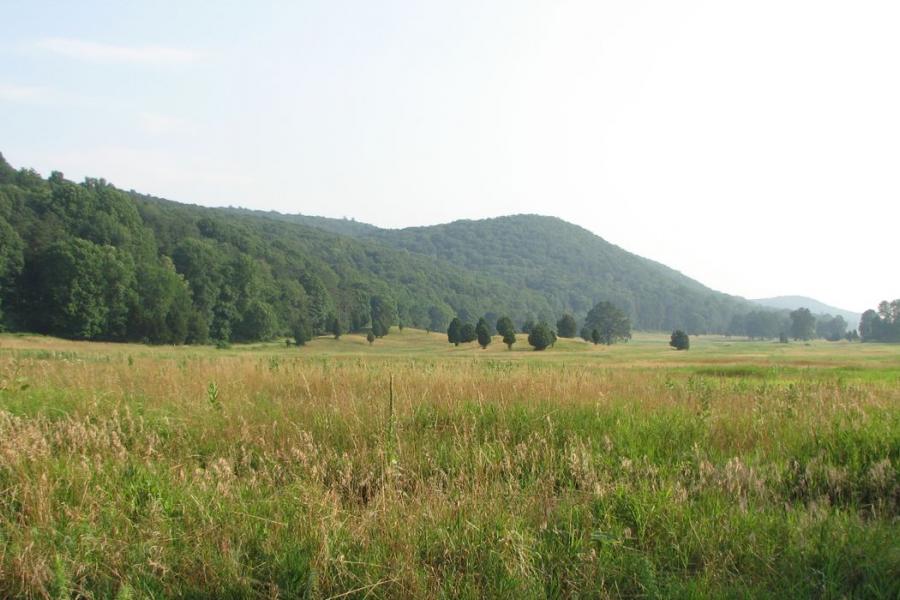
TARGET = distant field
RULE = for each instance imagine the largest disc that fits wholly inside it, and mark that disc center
(735, 469)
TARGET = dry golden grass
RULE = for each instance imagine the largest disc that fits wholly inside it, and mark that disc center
(275, 472)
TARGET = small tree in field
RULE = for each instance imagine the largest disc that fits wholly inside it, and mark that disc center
(680, 340)
(566, 326)
(454, 332)
(301, 331)
(467, 333)
(336, 328)
(540, 336)
(509, 338)
(504, 325)
(483, 334)
(370, 337)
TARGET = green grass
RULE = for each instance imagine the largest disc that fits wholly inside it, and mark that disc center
(736, 469)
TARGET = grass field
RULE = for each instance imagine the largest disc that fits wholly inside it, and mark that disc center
(736, 469)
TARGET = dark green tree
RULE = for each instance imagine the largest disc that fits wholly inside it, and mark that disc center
(505, 325)
(680, 340)
(541, 336)
(454, 331)
(301, 330)
(384, 314)
(467, 333)
(370, 337)
(803, 324)
(336, 328)
(595, 336)
(610, 322)
(483, 333)
(566, 327)
(509, 338)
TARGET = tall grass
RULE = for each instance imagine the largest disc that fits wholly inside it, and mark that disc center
(267, 474)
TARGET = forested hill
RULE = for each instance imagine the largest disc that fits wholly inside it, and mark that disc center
(90, 261)
(572, 268)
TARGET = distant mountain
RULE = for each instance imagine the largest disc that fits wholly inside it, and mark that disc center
(816, 307)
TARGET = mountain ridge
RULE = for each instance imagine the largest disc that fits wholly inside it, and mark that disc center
(793, 302)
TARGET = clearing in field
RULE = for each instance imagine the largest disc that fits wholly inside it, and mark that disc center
(733, 469)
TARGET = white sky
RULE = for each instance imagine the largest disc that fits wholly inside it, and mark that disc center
(755, 146)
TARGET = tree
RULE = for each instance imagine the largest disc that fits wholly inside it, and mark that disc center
(370, 337)
(803, 324)
(680, 340)
(384, 314)
(454, 331)
(336, 328)
(509, 338)
(437, 318)
(883, 325)
(540, 337)
(566, 326)
(831, 328)
(504, 326)
(868, 326)
(595, 336)
(467, 333)
(301, 330)
(483, 334)
(610, 322)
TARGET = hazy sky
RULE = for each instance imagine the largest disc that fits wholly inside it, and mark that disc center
(754, 146)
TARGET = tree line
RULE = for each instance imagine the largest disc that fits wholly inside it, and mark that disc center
(882, 325)
(90, 261)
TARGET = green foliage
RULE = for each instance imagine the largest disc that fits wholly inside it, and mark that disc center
(610, 323)
(541, 336)
(883, 325)
(505, 325)
(336, 329)
(454, 331)
(370, 337)
(483, 333)
(301, 330)
(831, 328)
(467, 333)
(509, 338)
(566, 327)
(680, 340)
(803, 324)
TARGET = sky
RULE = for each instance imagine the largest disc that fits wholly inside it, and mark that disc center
(753, 146)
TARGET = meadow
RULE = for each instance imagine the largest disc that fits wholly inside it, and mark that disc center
(413, 469)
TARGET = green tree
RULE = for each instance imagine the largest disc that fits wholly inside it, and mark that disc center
(384, 314)
(541, 336)
(301, 329)
(595, 336)
(505, 325)
(483, 333)
(680, 340)
(84, 291)
(610, 322)
(454, 331)
(566, 327)
(336, 329)
(509, 338)
(370, 337)
(467, 333)
(437, 318)
(803, 324)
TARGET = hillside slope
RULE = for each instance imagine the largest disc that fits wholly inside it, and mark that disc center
(572, 268)
(89, 261)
